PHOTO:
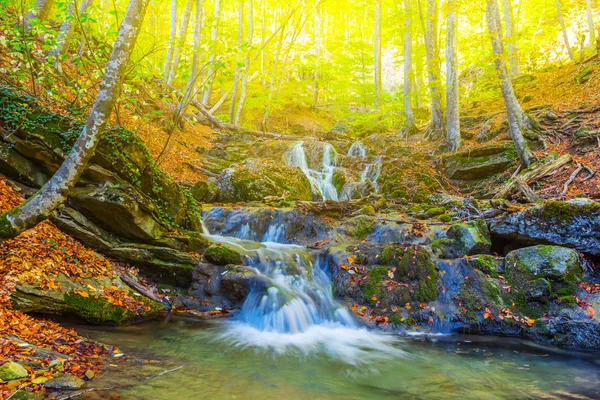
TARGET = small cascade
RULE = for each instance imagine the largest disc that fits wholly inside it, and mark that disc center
(357, 150)
(320, 176)
(371, 173)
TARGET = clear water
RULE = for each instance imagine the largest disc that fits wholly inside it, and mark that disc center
(320, 176)
(214, 366)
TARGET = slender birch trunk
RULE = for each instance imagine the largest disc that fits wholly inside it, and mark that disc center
(212, 57)
(193, 78)
(185, 22)
(591, 26)
(453, 139)
(41, 11)
(317, 53)
(514, 111)
(564, 30)
(172, 35)
(377, 53)
(267, 112)
(512, 42)
(236, 76)
(244, 88)
(55, 191)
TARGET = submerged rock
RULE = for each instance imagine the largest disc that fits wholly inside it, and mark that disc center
(11, 371)
(64, 382)
(573, 223)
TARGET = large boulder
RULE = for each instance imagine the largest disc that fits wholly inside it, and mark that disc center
(480, 163)
(254, 180)
(550, 262)
(11, 371)
(218, 254)
(573, 223)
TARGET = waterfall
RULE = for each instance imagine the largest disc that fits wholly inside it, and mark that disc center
(291, 305)
(371, 173)
(321, 176)
(357, 149)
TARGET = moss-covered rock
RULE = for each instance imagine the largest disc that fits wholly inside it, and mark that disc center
(218, 254)
(416, 266)
(488, 264)
(360, 226)
(11, 371)
(480, 163)
(434, 212)
(464, 239)
(254, 180)
(65, 382)
(205, 192)
(555, 263)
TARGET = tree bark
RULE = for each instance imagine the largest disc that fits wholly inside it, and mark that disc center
(409, 123)
(211, 59)
(511, 38)
(172, 34)
(564, 31)
(244, 88)
(194, 75)
(514, 112)
(55, 191)
(317, 52)
(66, 29)
(453, 139)
(236, 75)
(591, 25)
(41, 10)
(436, 127)
(185, 22)
(377, 53)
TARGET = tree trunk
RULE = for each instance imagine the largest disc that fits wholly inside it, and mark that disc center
(194, 75)
(591, 26)
(185, 22)
(265, 119)
(55, 191)
(452, 100)
(211, 59)
(511, 38)
(244, 88)
(514, 111)
(172, 33)
(564, 30)
(41, 10)
(317, 52)
(409, 123)
(236, 75)
(377, 53)
(66, 29)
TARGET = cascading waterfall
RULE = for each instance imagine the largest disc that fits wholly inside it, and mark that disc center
(357, 149)
(369, 175)
(291, 305)
(321, 177)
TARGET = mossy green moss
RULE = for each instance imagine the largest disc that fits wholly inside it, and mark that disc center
(373, 284)
(222, 255)
(416, 264)
(565, 211)
(485, 263)
(434, 212)
(446, 217)
(360, 226)
(386, 254)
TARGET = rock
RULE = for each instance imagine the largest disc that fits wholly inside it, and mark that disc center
(67, 300)
(479, 164)
(551, 262)
(64, 382)
(360, 226)
(253, 180)
(57, 365)
(464, 240)
(76, 225)
(164, 264)
(205, 192)
(11, 371)
(40, 380)
(584, 75)
(222, 255)
(20, 395)
(573, 223)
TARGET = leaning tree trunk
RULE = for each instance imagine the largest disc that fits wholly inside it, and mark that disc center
(591, 26)
(66, 29)
(564, 30)
(172, 33)
(511, 38)
(452, 99)
(513, 108)
(409, 123)
(432, 54)
(211, 58)
(377, 53)
(243, 90)
(185, 22)
(41, 10)
(55, 191)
